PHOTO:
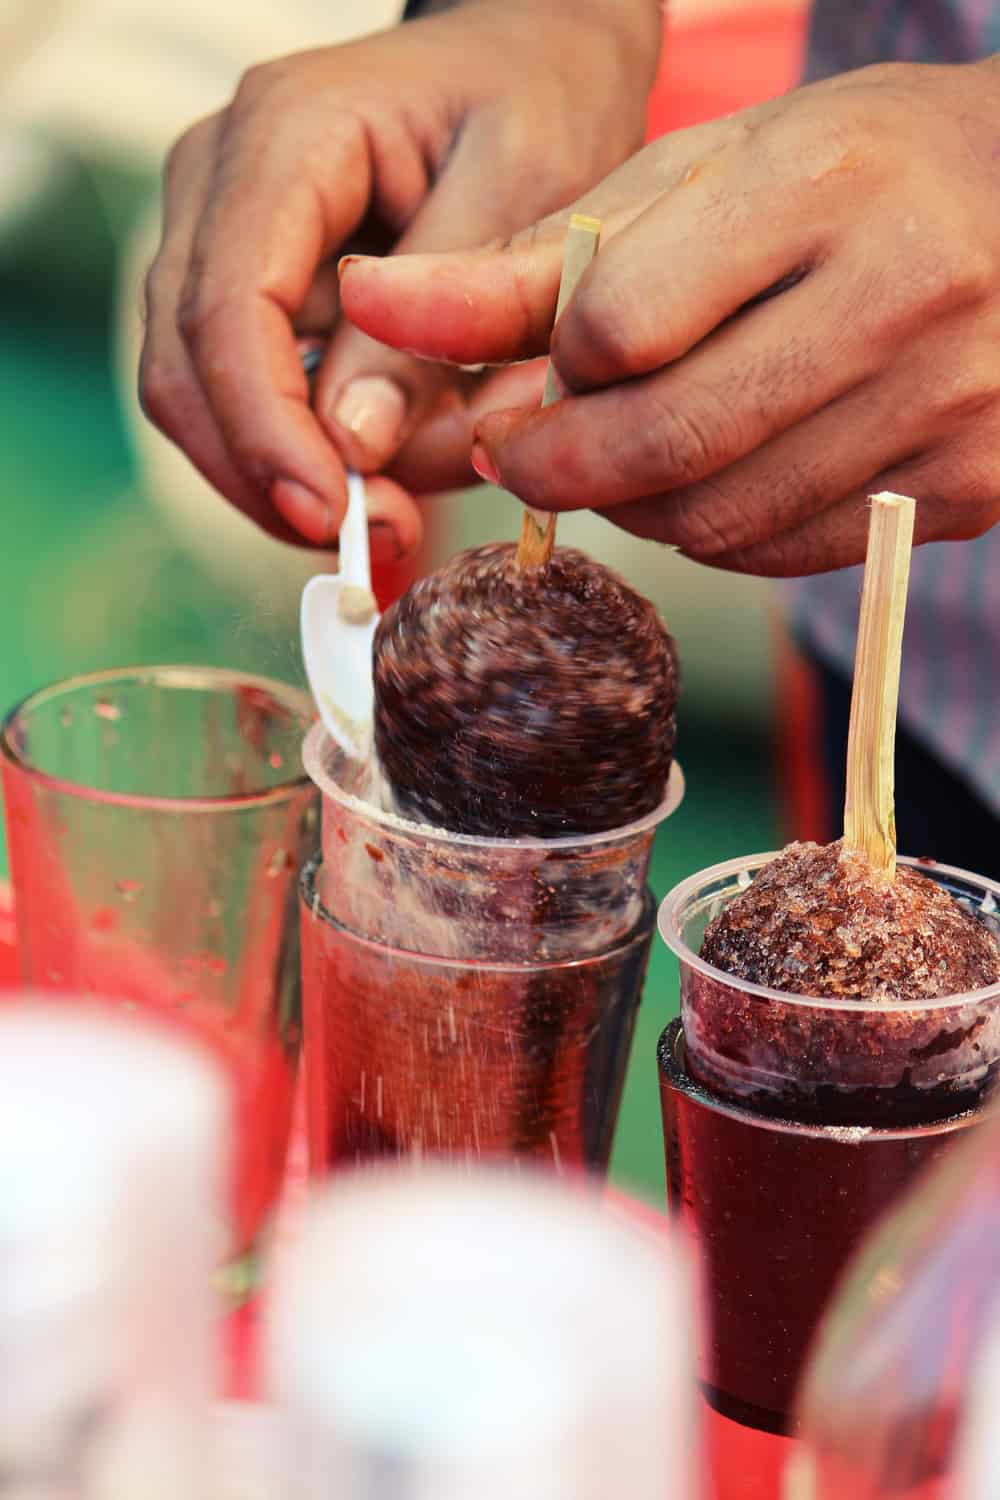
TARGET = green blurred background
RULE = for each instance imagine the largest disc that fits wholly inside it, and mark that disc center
(115, 553)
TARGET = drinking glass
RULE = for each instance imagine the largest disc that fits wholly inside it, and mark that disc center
(157, 820)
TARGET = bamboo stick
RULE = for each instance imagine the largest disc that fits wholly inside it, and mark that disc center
(869, 808)
(538, 527)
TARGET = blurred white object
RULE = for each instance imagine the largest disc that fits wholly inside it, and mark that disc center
(113, 1144)
(338, 621)
(979, 1448)
(130, 75)
(443, 1334)
(246, 1442)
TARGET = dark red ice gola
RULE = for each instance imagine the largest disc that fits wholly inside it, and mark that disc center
(524, 704)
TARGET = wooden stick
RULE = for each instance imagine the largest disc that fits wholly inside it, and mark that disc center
(869, 810)
(538, 527)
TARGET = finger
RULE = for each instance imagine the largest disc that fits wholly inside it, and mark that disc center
(467, 307)
(763, 514)
(957, 489)
(497, 303)
(169, 389)
(754, 378)
(437, 456)
(696, 257)
(842, 450)
(395, 524)
(320, 307)
(270, 224)
(891, 421)
(836, 538)
(686, 250)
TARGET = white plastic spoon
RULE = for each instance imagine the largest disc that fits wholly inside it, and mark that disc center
(338, 619)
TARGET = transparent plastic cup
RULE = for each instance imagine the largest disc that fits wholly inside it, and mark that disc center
(791, 1123)
(459, 896)
(409, 1053)
(850, 1062)
(157, 820)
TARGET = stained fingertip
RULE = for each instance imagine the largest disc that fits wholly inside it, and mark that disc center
(395, 525)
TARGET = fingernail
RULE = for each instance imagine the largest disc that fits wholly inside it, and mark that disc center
(303, 510)
(351, 260)
(372, 409)
(383, 542)
(484, 465)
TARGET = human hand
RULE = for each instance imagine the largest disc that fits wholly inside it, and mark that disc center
(443, 132)
(792, 307)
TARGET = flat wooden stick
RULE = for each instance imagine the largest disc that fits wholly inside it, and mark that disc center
(538, 527)
(869, 808)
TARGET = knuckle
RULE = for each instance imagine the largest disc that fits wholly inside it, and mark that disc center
(686, 443)
(608, 332)
(965, 391)
(158, 390)
(931, 282)
(187, 148)
(974, 271)
(951, 275)
(973, 494)
(253, 458)
(156, 287)
(255, 84)
(189, 311)
(199, 310)
(701, 523)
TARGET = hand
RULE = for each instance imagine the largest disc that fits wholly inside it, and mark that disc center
(444, 132)
(791, 308)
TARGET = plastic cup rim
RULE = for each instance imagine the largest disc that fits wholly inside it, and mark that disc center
(672, 1075)
(676, 901)
(312, 758)
(310, 898)
(298, 703)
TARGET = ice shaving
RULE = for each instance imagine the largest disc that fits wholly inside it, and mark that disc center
(816, 922)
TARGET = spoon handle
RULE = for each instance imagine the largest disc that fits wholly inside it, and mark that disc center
(355, 562)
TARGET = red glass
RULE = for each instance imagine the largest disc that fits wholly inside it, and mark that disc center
(157, 820)
(775, 1209)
